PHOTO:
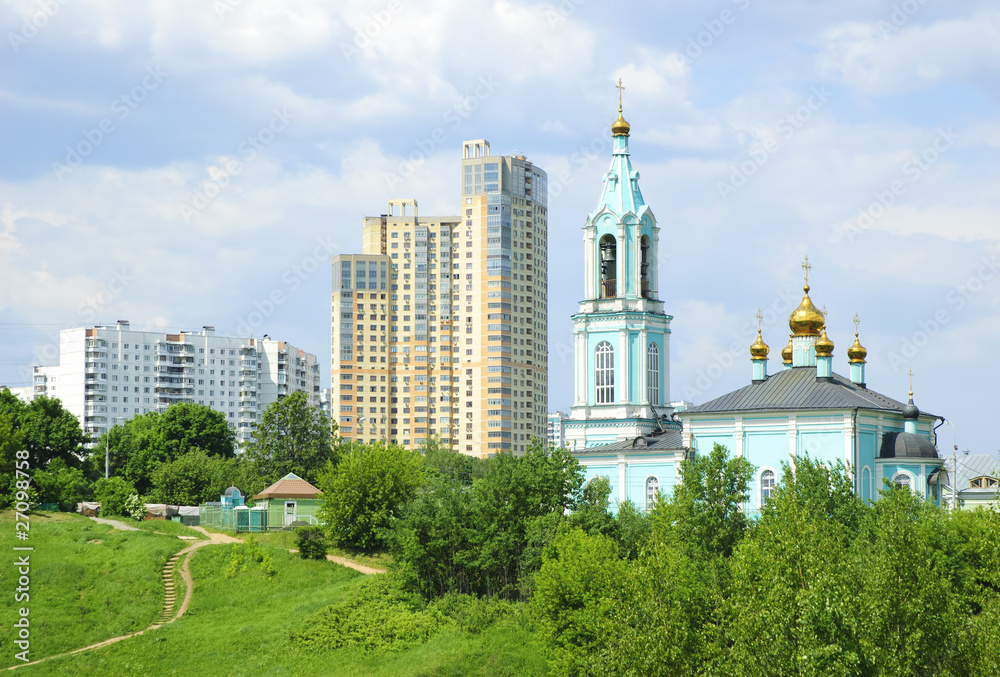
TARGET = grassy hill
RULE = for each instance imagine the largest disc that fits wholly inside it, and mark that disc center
(243, 619)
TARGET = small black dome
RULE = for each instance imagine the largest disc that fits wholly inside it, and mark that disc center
(906, 445)
(910, 411)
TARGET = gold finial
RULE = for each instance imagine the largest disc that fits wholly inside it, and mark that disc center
(910, 374)
(620, 127)
(856, 353)
(857, 321)
(806, 267)
(806, 320)
(759, 349)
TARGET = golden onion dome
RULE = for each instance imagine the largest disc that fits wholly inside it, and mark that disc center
(759, 349)
(620, 127)
(856, 353)
(806, 320)
(786, 352)
(824, 346)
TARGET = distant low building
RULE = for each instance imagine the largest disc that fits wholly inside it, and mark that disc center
(976, 481)
(108, 374)
(289, 500)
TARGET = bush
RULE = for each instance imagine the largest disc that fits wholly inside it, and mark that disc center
(311, 543)
(379, 618)
(112, 493)
(135, 508)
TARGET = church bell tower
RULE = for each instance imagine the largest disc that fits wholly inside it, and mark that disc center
(621, 333)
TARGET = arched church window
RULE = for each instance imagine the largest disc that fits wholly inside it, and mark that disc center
(652, 489)
(609, 267)
(983, 483)
(903, 481)
(866, 484)
(644, 247)
(767, 482)
(653, 374)
(604, 373)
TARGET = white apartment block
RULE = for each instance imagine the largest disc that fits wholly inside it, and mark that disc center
(557, 429)
(108, 374)
(439, 327)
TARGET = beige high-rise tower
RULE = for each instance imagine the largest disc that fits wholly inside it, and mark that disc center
(440, 327)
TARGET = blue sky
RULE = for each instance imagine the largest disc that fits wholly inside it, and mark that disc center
(863, 134)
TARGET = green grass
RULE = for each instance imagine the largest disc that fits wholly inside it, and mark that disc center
(243, 626)
(89, 582)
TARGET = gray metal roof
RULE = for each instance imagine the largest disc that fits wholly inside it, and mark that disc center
(971, 466)
(797, 388)
(669, 439)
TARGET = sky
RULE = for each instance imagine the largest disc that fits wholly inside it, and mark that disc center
(195, 162)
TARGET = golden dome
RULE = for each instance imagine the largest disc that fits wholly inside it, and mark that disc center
(806, 320)
(759, 349)
(620, 127)
(824, 346)
(856, 353)
(786, 352)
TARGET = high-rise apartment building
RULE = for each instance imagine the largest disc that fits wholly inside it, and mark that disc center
(440, 326)
(107, 375)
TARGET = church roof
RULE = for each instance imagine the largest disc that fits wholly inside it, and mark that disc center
(798, 388)
(669, 439)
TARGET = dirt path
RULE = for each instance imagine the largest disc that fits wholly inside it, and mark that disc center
(121, 526)
(350, 564)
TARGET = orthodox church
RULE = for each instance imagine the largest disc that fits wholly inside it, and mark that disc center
(621, 425)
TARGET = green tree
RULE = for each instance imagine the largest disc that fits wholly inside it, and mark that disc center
(513, 493)
(443, 461)
(10, 444)
(575, 590)
(145, 442)
(62, 484)
(292, 437)
(113, 493)
(705, 513)
(193, 479)
(46, 430)
(365, 490)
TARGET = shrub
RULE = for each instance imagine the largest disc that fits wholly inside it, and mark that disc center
(311, 543)
(112, 493)
(135, 508)
(249, 552)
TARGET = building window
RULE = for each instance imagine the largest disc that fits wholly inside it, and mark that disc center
(767, 482)
(866, 484)
(604, 372)
(903, 481)
(983, 483)
(653, 374)
(652, 490)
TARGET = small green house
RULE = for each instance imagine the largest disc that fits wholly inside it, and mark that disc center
(288, 501)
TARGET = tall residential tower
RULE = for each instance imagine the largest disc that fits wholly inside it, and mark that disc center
(444, 333)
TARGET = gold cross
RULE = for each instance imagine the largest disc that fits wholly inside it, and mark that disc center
(760, 320)
(620, 87)
(806, 267)
(910, 374)
(857, 321)
(824, 312)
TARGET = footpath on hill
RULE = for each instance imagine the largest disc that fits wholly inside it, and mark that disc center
(168, 615)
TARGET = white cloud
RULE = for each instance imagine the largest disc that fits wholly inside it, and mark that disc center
(881, 58)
